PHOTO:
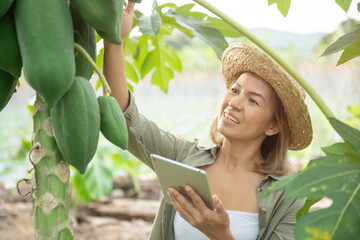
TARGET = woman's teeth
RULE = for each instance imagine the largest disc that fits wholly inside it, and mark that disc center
(231, 118)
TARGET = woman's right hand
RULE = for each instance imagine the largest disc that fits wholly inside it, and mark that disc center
(127, 20)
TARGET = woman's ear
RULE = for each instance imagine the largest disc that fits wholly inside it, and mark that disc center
(272, 129)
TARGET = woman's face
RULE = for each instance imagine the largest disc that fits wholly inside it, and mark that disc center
(247, 111)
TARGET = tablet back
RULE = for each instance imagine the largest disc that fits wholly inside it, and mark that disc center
(175, 174)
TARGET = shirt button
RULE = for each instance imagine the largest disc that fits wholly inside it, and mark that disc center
(263, 210)
(259, 189)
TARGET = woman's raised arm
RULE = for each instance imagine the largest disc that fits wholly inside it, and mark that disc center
(114, 62)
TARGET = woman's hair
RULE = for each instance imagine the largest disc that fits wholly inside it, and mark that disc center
(273, 149)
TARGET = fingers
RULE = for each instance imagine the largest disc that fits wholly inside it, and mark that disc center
(220, 210)
(130, 6)
(181, 204)
(195, 197)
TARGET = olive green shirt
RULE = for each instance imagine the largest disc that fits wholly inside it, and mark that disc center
(276, 214)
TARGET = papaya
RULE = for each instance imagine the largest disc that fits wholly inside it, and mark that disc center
(5, 6)
(75, 122)
(45, 35)
(84, 35)
(10, 58)
(105, 16)
(7, 87)
(113, 124)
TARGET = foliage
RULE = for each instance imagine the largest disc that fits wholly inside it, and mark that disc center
(148, 53)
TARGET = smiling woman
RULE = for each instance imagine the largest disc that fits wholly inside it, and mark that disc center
(262, 115)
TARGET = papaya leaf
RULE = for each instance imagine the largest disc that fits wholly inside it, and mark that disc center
(130, 72)
(349, 134)
(282, 5)
(78, 183)
(350, 52)
(223, 27)
(336, 178)
(344, 4)
(149, 62)
(342, 42)
(338, 149)
(149, 25)
(141, 52)
(98, 179)
(211, 36)
(305, 209)
(162, 76)
(172, 58)
(184, 9)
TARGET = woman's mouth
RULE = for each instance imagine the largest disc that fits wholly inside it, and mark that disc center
(232, 119)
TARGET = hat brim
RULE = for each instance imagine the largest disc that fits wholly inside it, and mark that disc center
(241, 57)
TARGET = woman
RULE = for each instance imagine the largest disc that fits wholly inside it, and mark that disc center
(263, 114)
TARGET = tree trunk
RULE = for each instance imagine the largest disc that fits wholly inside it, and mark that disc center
(51, 191)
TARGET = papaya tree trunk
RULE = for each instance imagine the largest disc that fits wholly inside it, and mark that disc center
(51, 191)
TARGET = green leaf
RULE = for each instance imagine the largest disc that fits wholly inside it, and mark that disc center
(349, 134)
(308, 203)
(282, 5)
(211, 36)
(150, 61)
(98, 179)
(338, 149)
(130, 72)
(97, 37)
(99, 59)
(78, 183)
(141, 52)
(149, 25)
(350, 52)
(184, 9)
(354, 110)
(223, 27)
(335, 178)
(162, 76)
(344, 4)
(342, 42)
(171, 58)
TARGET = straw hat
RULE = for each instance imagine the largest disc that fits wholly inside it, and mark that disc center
(240, 57)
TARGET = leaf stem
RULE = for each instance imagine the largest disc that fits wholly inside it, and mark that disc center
(244, 31)
(83, 52)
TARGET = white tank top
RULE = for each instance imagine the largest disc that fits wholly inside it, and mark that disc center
(243, 225)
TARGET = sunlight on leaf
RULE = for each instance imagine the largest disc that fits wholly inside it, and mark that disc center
(350, 52)
(150, 25)
(282, 5)
(316, 234)
(342, 42)
(344, 4)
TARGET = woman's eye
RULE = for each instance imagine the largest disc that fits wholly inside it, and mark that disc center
(233, 90)
(253, 101)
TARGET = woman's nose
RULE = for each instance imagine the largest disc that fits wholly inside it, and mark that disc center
(236, 102)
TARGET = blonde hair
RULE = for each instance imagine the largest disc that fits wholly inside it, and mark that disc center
(273, 149)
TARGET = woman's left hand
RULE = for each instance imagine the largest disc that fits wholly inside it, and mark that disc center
(213, 223)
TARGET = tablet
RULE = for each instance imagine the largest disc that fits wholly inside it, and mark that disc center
(175, 174)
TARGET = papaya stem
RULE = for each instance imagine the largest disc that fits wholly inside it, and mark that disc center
(83, 52)
(244, 31)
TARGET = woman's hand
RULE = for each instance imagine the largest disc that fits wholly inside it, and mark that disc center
(127, 20)
(213, 223)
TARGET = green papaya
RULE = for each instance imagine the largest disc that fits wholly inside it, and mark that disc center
(105, 16)
(84, 35)
(5, 6)
(10, 58)
(113, 124)
(7, 87)
(45, 34)
(76, 124)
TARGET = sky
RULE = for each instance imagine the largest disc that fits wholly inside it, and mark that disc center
(304, 16)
